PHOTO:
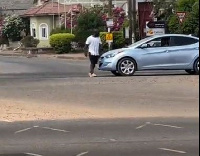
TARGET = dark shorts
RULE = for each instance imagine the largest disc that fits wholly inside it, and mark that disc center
(93, 59)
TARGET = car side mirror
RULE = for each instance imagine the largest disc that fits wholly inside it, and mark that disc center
(144, 46)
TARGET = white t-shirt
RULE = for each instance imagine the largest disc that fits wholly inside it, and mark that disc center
(94, 43)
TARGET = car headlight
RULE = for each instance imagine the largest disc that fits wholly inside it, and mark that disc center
(113, 54)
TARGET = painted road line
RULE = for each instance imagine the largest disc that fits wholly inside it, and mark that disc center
(32, 154)
(81, 154)
(53, 129)
(171, 150)
(168, 126)
(113, 140)
(142, 126)
(23, 130)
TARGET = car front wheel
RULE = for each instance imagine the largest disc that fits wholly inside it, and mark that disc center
(127, 67)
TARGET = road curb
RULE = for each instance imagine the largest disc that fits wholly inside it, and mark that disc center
(44, 56)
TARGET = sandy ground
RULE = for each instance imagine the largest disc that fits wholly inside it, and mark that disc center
(27, 110)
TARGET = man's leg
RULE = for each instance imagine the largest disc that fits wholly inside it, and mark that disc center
(92, 67)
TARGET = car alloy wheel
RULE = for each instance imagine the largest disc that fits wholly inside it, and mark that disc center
(127, 67)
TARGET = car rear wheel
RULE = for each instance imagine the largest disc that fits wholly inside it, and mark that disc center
(116, 73)
(196, 67)
(127, 67)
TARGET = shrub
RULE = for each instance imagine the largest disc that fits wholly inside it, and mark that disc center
(29, 41)
(13, 26)
(59, 30)
(61, 42)
(118, 40)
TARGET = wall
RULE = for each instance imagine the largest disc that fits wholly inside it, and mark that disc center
(49, 21)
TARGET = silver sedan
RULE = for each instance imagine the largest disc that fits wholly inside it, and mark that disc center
(165, 52)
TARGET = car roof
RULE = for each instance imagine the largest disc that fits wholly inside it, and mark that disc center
(176, 35)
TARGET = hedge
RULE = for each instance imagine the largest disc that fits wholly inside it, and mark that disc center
(61, 42)
(118, 40)
(59, 30)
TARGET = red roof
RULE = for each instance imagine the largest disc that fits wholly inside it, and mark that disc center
(49, 9)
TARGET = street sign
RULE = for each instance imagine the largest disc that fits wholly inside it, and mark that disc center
(181, 16)
(109, 37)
(110, 23)
(156, 24)
(155, 28)
(155, 31)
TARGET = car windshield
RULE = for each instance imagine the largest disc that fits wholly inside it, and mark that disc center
(140, 42)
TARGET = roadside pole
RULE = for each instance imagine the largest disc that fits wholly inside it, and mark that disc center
(109, 24)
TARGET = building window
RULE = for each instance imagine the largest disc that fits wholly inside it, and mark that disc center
(44, 31)
(33, 30)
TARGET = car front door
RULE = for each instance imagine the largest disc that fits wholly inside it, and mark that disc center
(155, 55)
(182, 51)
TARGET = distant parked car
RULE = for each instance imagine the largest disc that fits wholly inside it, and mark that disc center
(164, 52)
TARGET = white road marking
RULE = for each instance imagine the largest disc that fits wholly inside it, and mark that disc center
(171, 150)
(32, 154)
(113, 140)
(81, 154)
(23, 130)
(142, 126)
(168, 126)
(53, 129)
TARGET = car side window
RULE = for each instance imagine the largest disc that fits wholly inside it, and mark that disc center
(159, 42)
(182, 41)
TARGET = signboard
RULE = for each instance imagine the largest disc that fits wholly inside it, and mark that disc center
(181, 16)
(155, 28)
(110, 23)
(156, 24)
(109, 37)
(155, 31)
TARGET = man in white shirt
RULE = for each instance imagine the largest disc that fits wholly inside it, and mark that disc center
(93, 44)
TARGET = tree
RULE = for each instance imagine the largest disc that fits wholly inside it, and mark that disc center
(163, 9)
(191, 22)
(88, 21)
(13, 26)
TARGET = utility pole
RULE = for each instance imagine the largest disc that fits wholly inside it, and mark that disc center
(110, 8)
(130, 14)
(134, 9)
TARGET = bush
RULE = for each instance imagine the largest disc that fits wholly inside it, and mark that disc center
(59, 30)
(29, 41)
(118, 40)
(61, 42)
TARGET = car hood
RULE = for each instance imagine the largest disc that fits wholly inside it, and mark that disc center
(115, 51)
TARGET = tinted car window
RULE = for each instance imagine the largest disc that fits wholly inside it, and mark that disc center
(159, 42)
(181, 41)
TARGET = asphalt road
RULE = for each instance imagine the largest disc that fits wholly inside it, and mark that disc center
(150, 114)
(119, 137)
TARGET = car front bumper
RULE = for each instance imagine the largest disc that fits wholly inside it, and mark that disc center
(106, 64)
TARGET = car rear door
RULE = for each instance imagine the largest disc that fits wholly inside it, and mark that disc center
(182, 51)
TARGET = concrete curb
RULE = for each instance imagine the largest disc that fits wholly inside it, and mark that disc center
(43, 56)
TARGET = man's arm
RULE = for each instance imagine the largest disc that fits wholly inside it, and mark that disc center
(86, 50)
(87, 46)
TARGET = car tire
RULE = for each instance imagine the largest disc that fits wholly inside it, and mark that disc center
(116, 73)
(191, 72)
(196, 66)
(127, 67)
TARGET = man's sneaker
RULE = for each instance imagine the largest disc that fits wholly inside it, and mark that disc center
(94, 75)
(90, 75)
